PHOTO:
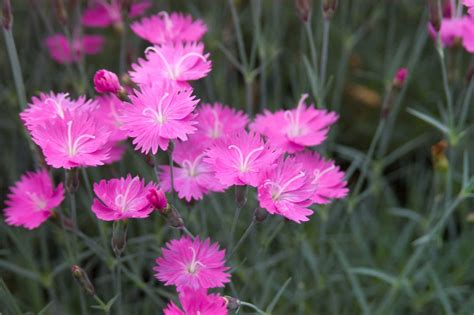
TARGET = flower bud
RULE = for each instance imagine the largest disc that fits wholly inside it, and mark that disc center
(106, 82)
(438, 154)
(241, 195)
(434, 7)
(72, 180)
(173, 218)
(260, 214)
(400, 78)
(303, 8)
(157, 198)
(329, 8)
(7, 17)
(232, 303)
(119, 237)
(81, 277)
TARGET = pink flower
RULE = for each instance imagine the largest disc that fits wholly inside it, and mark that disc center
(64, 51)
(295, 129)
(193, 177)
(106, 82)
(32, 200)
(103, 13)
(122, 198)
(217, 120)
(470, 5)
(240, 158)
(178, 63)
(450, 31)
(468, 36)
(164, 28)
(193, 264)
(198, 303)
(108, 112)
(75, 140)
(328, 178)
(159, 113)
(49, 106)
(157, 198)
(288, 190)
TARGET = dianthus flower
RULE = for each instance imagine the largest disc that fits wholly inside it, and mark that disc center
(157, 114)
(122, 198)
(64, 51)
(192, 177)
(106, 82)
(240, 158)
(103, 13)
(451, 31)
(293, 130)
(75, 140)
(193, 264)
(216, 121)
(164, 28)
(177, 63)
(32, 199)
(197, 303)
(287, 190)
(327, 178)
(53, 105)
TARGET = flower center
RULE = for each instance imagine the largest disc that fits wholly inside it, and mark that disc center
(295, 129)
(318, 174)
(194, 265)
(192, 166)
(244, 162)
(121, 200)
(40, 203)
(73, 147)
(174, 71)
(157, 114)
(278, 190)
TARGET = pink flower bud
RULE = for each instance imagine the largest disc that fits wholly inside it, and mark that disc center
(400, 77)
(157, 198)
(106, 81)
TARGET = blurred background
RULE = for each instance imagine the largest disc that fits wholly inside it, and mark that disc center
(401, 243)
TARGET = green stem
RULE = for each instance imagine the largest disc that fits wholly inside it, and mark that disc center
(242, 238)
(449, 100)
(254, 307)
(324, 54)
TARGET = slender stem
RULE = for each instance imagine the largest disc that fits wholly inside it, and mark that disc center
(254, 307)
(249, 95)
(118, 285)
(73, 210)
(238, 32)
(185, 230)
(449, 100)
(101, 304)
(312, 45)
(170, 155)
(324, 54)
(242, 238)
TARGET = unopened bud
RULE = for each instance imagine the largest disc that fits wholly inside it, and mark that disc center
(106, 82)
(81, 277)
(119, 237)
(232, 303)
(434, 7)
(438, 154)
(173, 218)
(7, 17)
(72, 180)
(400, 78)
(241, 195)
(303, 8)
(157, 198)
(329, 8)
(260, 214)
(60, 11)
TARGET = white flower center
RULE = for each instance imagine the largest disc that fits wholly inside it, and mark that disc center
(73, 147)
(244, 162)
